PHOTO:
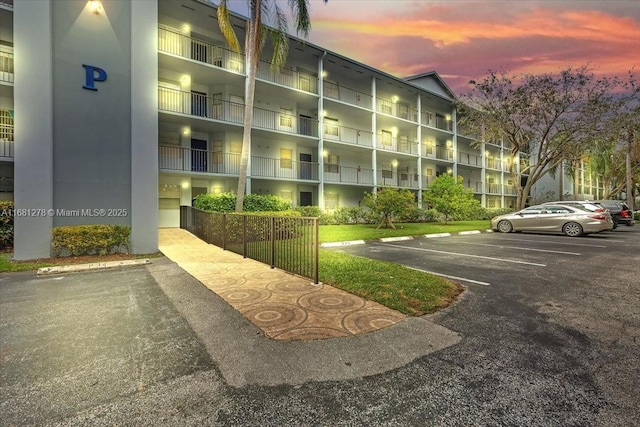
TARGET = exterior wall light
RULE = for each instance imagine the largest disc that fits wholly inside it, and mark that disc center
(95, 6)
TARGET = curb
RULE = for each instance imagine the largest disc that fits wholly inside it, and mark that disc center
(401, 238)
(48, 271)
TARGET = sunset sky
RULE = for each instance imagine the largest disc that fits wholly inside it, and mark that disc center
(462, 39)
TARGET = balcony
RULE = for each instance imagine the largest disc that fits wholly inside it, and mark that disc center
(469, 159)
(6, 64)
(444, 153)
(288, 77)
(400, 145)
(348, 175)
(347, 135)
(215, 162)
(177, 101)
(7, 3)
(436, 120)
(387, 178)
(346, 95)
(175, 43)
(192, 160)
(265, 167)
(6, 149)
(397, 109)
(493, 163)
(493, 188)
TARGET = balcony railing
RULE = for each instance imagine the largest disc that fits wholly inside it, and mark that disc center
(175, 43)
(265, 167)
(426, 180)
(189, 159)
(177, 101)
(469, 159)
(388, 178)
(436, 120)
(288, 77)
(493, 188)
(6, 64)
(401, 145)
(6, 149)
(347, 174)
(476, 186)
(510, 190)
(349, 135)
(444, 153)
(493, 163)
(397, 109)
(344, 94)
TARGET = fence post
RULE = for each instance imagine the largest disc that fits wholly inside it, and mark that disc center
(315, 248)
(244, 235)
(224, 231)
(272, 239)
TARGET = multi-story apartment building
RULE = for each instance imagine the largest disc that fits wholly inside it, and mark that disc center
(6, 100)
(137, 107)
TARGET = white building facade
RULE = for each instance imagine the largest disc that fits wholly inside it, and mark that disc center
(137, 107)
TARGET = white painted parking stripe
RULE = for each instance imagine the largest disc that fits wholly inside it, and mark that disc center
(524, 249)
(553, 241)
(466, 255)
(395, 239)
(477, 282)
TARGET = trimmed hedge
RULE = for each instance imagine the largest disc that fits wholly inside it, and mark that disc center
(90, 240)
(6, 224)
(226, 202)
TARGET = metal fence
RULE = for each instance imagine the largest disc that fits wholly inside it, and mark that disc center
(287, 243)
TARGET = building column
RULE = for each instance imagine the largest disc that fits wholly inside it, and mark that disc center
(33, 104)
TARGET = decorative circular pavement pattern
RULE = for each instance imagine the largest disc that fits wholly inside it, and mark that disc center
(282, 305)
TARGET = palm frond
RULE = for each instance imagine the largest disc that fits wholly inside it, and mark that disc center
(224, 22)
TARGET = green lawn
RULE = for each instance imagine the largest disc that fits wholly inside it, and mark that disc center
(342, 233)
(6, 265)
(409, 291)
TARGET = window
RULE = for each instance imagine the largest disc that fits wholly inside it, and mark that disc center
(532, 211)
(386, 106)
(403, 110)
(386, 138)
(331, 128)
(332, 164)
(286, 118)
(429, 172)
(304, 82)
(286, 158)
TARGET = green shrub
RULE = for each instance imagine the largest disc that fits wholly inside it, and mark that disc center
(90, 239)
(226, 202)
(309, 211)
(636, 215)
(6, 224)
(223, 202)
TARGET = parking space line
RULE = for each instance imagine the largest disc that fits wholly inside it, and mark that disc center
(554, 241)
(477, 282)
(465, 255)
(525, 249)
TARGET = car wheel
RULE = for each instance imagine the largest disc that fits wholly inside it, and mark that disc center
(572, 229)
(505, 226)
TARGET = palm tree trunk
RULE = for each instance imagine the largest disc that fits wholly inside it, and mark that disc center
(252, 47)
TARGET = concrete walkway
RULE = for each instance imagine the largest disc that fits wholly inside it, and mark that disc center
(282, 305)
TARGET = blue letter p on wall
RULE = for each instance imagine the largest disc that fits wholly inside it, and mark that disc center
(93, 75)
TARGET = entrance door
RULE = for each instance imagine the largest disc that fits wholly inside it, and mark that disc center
(306, 198)
(198, 155)
(305, 166)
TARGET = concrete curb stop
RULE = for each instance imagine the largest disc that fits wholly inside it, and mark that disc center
(62, 269)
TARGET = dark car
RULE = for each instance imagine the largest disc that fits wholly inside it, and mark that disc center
(620, 211)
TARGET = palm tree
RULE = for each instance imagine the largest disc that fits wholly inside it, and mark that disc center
(258, 28)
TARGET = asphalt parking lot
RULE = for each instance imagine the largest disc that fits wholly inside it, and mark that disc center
(549, 331)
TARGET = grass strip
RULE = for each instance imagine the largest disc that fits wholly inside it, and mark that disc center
(408, 291)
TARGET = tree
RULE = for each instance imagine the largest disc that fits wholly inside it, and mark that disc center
(553, 117)
(388, 203)
(258, 28)
(450, 197)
